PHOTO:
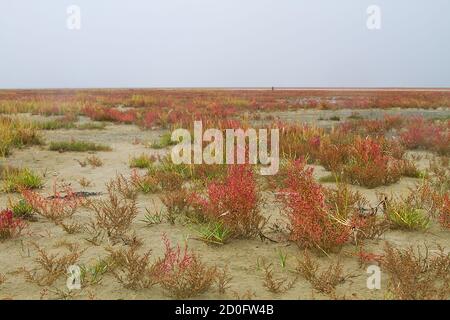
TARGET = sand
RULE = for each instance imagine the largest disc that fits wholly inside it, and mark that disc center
(243, 257)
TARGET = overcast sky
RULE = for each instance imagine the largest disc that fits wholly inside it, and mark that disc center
(224, 43)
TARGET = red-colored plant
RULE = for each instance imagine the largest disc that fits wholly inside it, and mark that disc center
(182, 274)
(110, 114)
(55, 208)
(233, 202)
(369, 166)
(427, 135)
(310, 222)
(9, 226)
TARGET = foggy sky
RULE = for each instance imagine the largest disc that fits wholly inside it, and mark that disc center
(224, 43)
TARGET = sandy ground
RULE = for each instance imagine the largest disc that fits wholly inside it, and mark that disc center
(242, 256)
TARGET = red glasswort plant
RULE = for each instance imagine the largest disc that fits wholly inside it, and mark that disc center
(369, 166)
(55, 208)
(9, 226)
(427, 135)
(182, 274)
(310, 221)
(233, 202)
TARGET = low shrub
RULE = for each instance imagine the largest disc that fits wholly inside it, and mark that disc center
(233, 201)
(428, 135)
(182, 274)
(133, 270)
(311, 223)
(369, 166)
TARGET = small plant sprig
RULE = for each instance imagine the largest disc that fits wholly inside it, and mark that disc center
(282, 258)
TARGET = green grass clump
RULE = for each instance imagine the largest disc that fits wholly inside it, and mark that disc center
(403, 215)
(164, 142)
(77, 146)
(142, 162)
(23, 210)
(91, 126)
(213, 233)
(55, 125)
(15, 180)
(59, 124)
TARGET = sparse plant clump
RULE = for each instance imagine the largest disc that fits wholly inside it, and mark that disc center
(15, 180)
(94, 161)
(125, 187)
(10, 227)
(142, 162)
(114, 214)
(274, 284)
(182, 274)
(176, 202)
(323, 281)
(157, 180)
(77, 146)
(235, 202)
(93, 274)
(50, 267)
(223, 280)
(417, 275)
(133, 270)
(84, 182)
